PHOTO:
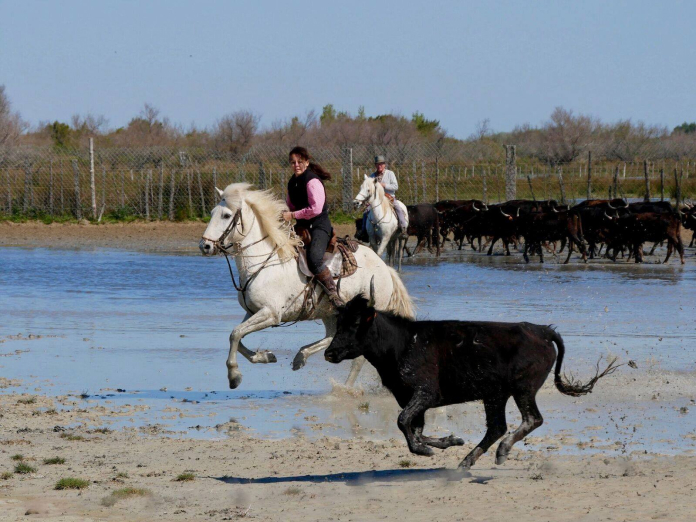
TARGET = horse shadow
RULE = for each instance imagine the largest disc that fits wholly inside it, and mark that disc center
(361, 478)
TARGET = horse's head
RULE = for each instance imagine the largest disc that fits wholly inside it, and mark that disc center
(366, 196)
(225, 226)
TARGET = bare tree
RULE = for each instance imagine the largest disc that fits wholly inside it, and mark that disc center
(234, 132)
(11, 123)
(565, 136)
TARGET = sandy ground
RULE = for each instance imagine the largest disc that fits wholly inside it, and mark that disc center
(160, 236)
(293, 479)
(297, 479)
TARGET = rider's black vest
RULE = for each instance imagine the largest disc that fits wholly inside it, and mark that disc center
(297, 191)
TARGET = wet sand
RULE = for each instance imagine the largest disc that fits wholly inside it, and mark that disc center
(140, 236)
(626, 452)
(301, 479)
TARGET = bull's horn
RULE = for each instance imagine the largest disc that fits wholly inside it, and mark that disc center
(609, 205)
(518, 211)
(554, 209)
(371, 303)
(485, 207)
(473, 205)
(503, 213)
(608, 216)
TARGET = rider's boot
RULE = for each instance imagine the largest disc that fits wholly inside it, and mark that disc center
(326, 280)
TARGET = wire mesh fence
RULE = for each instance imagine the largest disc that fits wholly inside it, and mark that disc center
(176, 184)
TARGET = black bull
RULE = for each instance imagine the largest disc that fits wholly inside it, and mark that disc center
(428, 364)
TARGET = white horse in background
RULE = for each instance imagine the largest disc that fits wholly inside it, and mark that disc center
(247, 223)
(382, 225)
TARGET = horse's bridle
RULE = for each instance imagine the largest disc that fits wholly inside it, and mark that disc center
(386, 214)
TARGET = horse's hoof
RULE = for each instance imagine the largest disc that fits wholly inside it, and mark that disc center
(500, 458)
(299, 361)
(235, 381)
(263, 357)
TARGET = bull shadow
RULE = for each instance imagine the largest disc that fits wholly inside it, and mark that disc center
(361, 478)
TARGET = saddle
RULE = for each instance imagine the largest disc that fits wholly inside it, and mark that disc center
(338, 257)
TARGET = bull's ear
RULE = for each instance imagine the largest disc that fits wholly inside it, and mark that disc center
(365, 176)
(219, 192)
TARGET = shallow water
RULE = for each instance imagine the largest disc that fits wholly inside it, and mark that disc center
(144, 323)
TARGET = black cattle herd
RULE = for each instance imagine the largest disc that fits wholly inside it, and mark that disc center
(598, 227)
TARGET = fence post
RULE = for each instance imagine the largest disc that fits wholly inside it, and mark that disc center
(9, 191)
(647, 181)
(677, 181)
(484, 196)
(92, 184)
(50, 188)
(347, 170)
(560, 183)
(415, 182)
(215, 194)
(172, 187)
(103, 207)
(204, 210)
(510, 172)
(616, 181)
(160, 195)
(262, 177)
(424, 192)
(589, 174)
(662, 184)
(147, 194)
(437, 179)
(27, 186)
(78, 203)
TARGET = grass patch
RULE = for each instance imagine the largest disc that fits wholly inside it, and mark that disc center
(27, 400)
(71, 436)
(122, 475)
(341, 218)
(24, 469)
(72, 483)
(52, 411)
(364, 406)
(18, 457)
(6, 475)
(185, 477)
(405, 463)
(293, 490)
(54, 460)
(122, 493)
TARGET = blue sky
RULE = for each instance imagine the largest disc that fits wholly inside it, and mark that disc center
(459, 62)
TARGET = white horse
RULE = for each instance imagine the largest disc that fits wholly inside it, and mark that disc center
(274, 290)
(382, 225)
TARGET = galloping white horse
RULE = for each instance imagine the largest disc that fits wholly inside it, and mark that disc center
(273, 288)
(382, 226)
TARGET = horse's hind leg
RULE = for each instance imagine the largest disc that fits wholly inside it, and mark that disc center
(497, 426)
(531, 420)
(312, 348)
(435, 442)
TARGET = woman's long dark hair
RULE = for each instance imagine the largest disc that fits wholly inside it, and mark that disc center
(316, 168)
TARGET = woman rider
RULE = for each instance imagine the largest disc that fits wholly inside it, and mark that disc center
(307, 203)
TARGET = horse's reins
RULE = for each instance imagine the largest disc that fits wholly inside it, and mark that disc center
(238, 251)
(386, 214)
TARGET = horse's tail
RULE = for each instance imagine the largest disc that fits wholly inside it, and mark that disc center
(400, 302)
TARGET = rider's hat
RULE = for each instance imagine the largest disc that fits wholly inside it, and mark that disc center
(380, 159)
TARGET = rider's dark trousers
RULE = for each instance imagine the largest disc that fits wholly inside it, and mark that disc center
(315, 252)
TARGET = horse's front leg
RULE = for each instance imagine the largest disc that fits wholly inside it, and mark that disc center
(310, 349)
(259, 321)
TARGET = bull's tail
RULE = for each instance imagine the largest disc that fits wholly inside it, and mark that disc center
(400, 302)
(568, 384)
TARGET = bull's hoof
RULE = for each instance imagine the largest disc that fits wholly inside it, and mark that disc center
(423, 450)
(235, 381)
(299, 361)
(263, 357)
(455, 441)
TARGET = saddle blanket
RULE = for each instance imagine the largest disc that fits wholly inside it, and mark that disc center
(341, 262)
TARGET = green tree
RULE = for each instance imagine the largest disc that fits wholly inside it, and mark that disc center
(328, 114)
(61, 134)
(424, 125)
(685, 128)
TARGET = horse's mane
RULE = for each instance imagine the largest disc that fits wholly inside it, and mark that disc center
(268, 209)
